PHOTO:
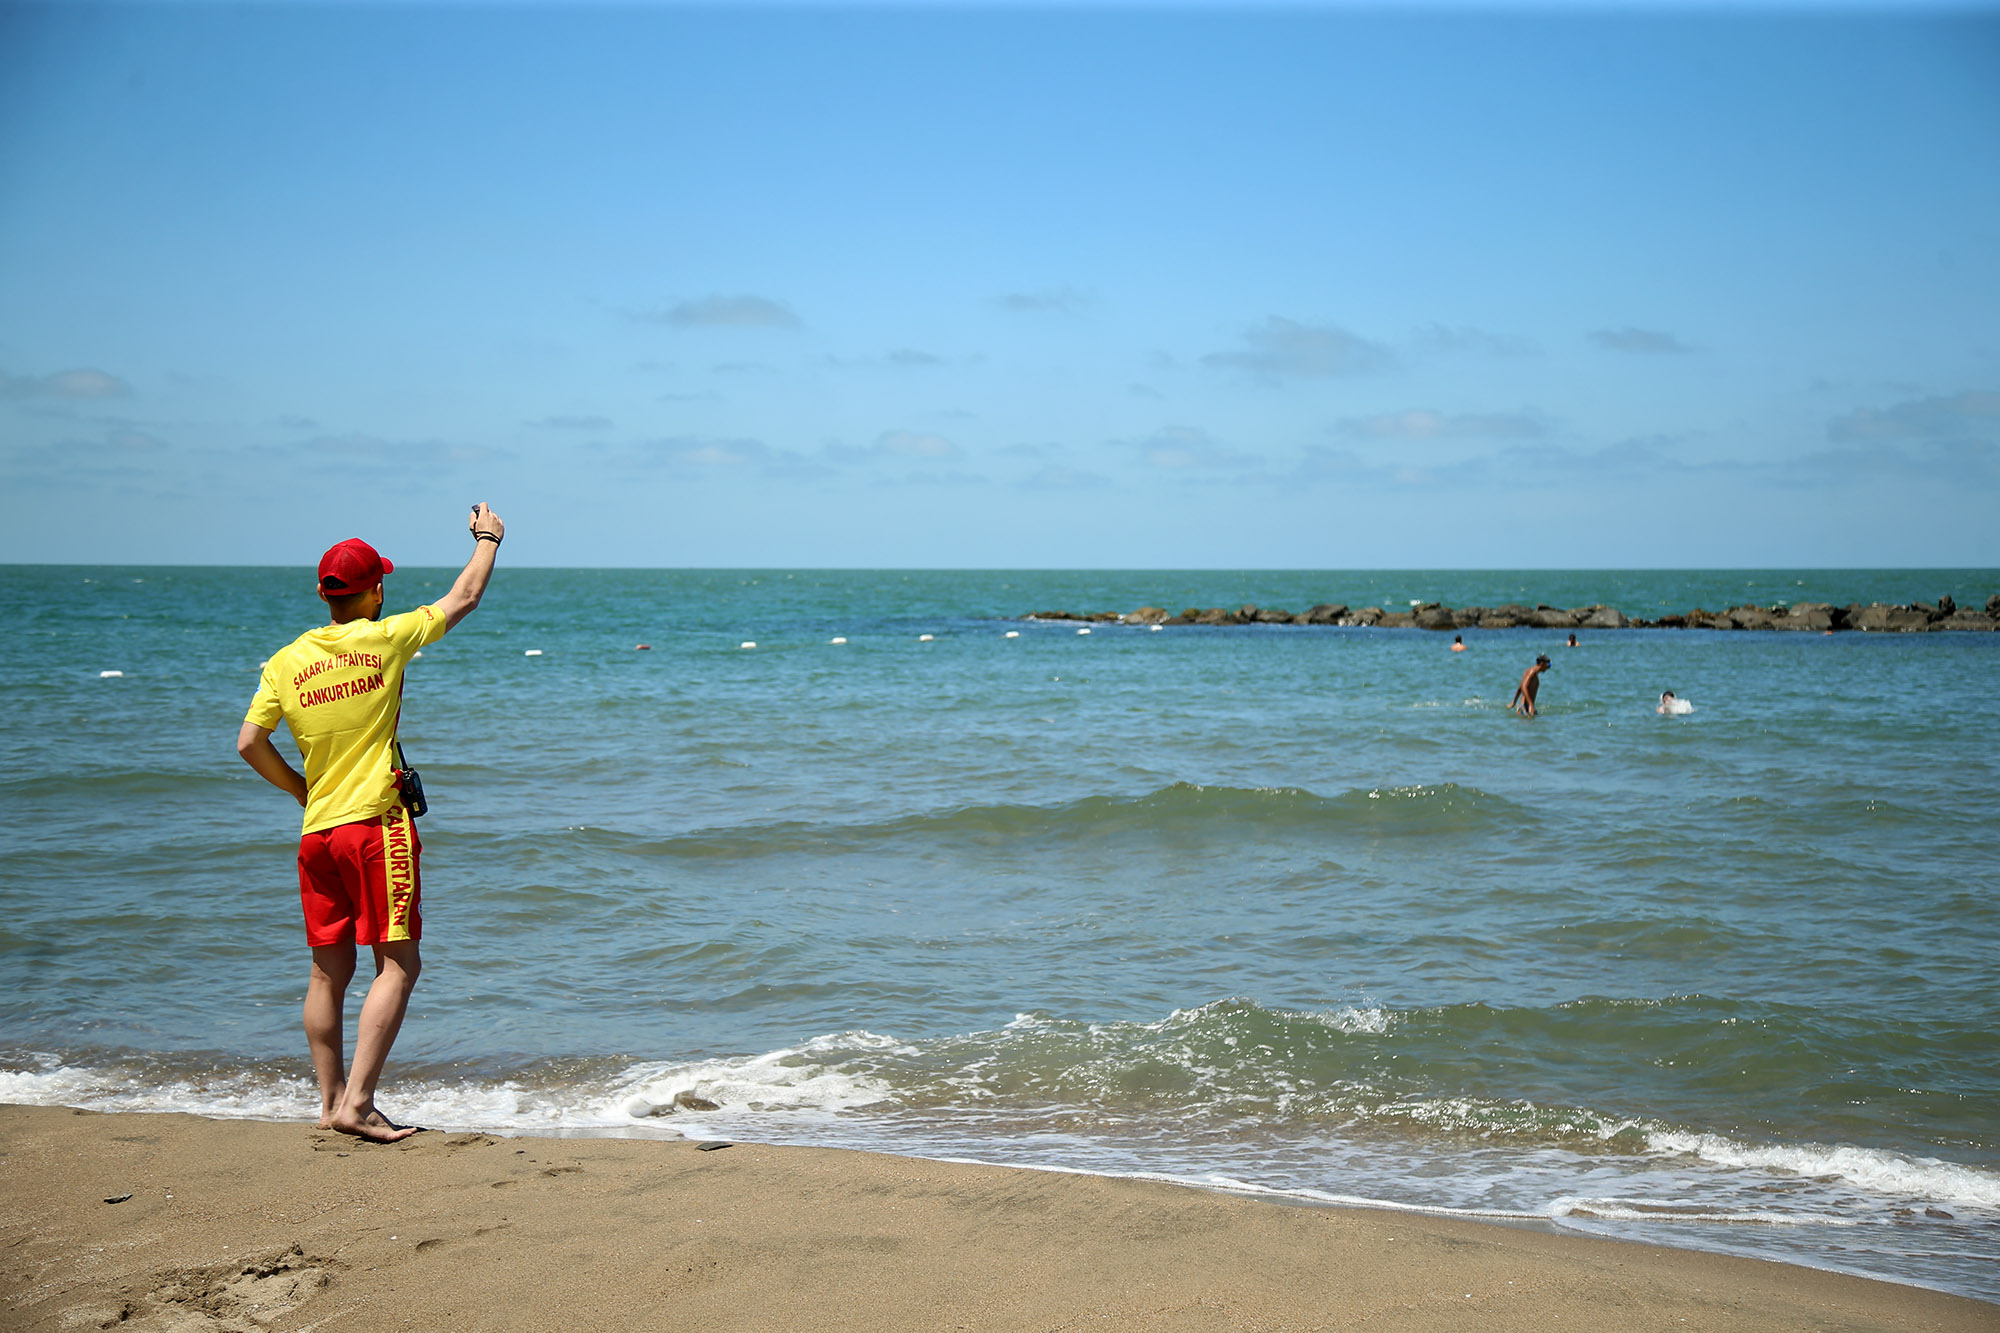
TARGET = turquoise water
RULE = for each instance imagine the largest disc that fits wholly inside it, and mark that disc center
(1298, 910)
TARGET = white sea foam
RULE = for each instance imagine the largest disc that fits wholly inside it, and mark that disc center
(1672, 1210)
(1873, 1169)
(784, 1082)
(1352, 1020)
(241, 1096)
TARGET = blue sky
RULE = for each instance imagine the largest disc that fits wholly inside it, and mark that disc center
(1310, 286)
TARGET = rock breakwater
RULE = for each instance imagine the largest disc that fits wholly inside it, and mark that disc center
(1809, 617)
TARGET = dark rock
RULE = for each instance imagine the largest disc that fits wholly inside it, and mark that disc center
(1967, 620)
(1435, 617)
(1049, 615)
(1551, 617)
(1993, 605)
(1148, 615)
(1946, 606)
(1751, 617)
(1326, 613)
(1603, 617)
(1215, 615)
(1367, 615)
(1671, 622)
(1515, 612)
(1468, 617)
(1877, 618)
(1270, 615)
(687, 1101)
(1804, 618)
(1700, 619)
(1495, 620)
(1397, 620)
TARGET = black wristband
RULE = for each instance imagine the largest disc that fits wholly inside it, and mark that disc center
(493, 537)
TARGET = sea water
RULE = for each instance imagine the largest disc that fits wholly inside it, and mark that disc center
(1302, 911)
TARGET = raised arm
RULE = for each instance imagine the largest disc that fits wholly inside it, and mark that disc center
(463, 599)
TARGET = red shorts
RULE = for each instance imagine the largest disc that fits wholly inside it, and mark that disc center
(359, 881)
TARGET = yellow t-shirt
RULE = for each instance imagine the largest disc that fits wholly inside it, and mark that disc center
(340, 689)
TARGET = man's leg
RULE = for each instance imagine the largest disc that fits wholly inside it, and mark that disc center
(396, 969)
(326, 997)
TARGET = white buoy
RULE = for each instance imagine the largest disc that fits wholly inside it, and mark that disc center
(925, 638)
(1156, 628)
(532, 652)
(415, 656)
(1084, 630)
(1013, 634)
(747, 643)
(837, 639)
(109, 675)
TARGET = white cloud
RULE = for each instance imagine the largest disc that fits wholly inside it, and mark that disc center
(906, 444)
(723, 454)
(1645, 342)
(1445, 338)
(1921, 418)
(1057, 477)
(81, 382)
(1425, 424)
(1651, 459)
(572, 422)
(375, 451)
(901, 358)
(1179, 448)
(724, 312)
(916, 444)
(1059, 300)
(1281, 349)
(121, 456)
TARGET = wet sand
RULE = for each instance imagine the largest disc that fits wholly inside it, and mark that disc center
(244, 1226)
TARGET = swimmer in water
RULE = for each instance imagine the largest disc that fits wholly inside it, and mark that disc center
(1458, 643)
(1572, 642)
(1531, 685)
(1671, 706)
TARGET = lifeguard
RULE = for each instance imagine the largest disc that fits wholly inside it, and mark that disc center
(339, 689)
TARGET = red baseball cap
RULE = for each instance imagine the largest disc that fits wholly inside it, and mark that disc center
(352, 566)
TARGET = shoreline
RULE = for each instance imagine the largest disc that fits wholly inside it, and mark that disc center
(229, 1224)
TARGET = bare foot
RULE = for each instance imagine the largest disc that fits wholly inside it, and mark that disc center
(374, 1126)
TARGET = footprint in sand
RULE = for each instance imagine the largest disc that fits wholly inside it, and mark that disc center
(226, 1298)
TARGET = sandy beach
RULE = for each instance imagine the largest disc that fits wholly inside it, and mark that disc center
(173, 1222)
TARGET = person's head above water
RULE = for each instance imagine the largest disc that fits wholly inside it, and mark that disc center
(1666, 695)
(1542, 661)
